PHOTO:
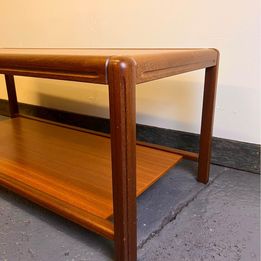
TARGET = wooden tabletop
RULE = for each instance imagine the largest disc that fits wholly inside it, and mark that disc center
(90, 65)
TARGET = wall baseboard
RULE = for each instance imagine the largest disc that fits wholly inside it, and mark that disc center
(228, 153)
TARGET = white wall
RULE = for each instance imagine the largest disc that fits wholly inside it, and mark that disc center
(231, 26)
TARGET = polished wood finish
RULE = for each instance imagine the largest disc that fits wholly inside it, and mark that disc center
(13, 182)
(91, 65)
(66, 169)
(185, 154)
(207, 121)
(123, 147)
(11, 93)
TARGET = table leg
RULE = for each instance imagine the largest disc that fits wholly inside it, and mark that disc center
(12, 98)
(207, 123)
(121, 74)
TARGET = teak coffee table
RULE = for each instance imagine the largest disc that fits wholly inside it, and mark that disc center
(87, 176)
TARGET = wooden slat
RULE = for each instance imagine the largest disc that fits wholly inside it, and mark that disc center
(69, 165)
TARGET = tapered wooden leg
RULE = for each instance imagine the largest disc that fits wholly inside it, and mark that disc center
(121, 75)
(12, 98)
(207, 123)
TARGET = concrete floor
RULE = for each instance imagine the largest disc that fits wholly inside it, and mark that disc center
(178, 219)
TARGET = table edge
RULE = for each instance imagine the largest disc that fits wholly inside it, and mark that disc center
(75, 68)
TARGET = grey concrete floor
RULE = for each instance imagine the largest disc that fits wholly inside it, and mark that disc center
(178, 219)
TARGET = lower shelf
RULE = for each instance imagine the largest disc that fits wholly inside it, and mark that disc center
(69, 171)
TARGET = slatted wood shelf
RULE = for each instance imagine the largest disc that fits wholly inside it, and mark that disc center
(69, 171)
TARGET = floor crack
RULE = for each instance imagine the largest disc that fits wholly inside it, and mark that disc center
(173, 214)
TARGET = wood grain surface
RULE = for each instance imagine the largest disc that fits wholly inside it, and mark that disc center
(71, 166)
(71, 171)
(91, 65)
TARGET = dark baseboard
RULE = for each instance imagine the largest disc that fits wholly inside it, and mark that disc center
(228, 153)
